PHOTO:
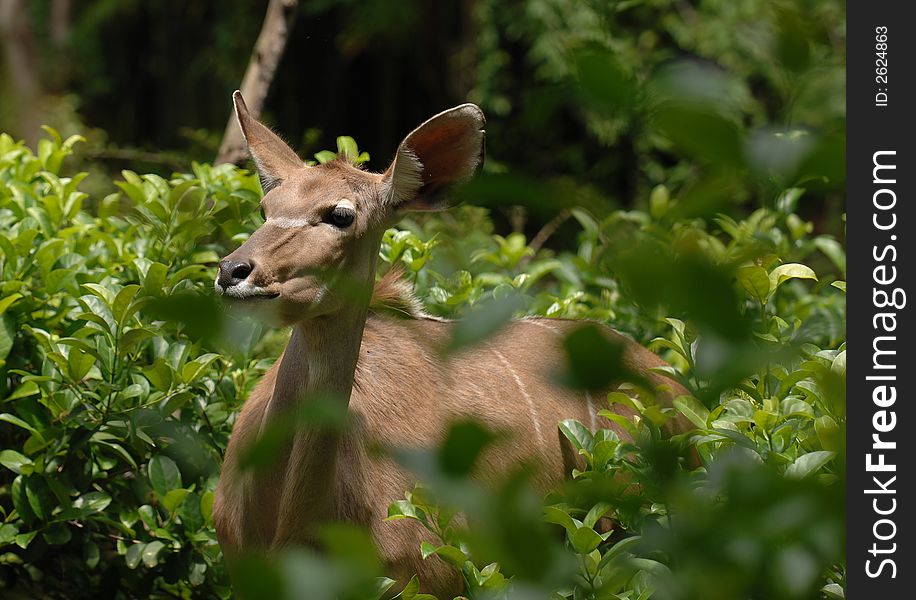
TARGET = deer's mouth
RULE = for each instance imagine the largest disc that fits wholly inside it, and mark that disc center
(246, 292)
(255, 297)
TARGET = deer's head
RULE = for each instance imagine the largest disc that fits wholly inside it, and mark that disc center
(317, 249)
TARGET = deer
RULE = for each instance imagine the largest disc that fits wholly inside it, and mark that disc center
(311, 266)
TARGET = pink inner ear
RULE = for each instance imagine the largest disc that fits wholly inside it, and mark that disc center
(449, 152)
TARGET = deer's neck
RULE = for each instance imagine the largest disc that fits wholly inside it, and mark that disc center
(319, 362)
(317, 366)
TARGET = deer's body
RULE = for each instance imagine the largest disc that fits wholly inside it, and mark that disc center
(506, 383)
(312, 266)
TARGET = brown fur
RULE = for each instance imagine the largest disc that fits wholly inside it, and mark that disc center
(382, 364)
(385, 411)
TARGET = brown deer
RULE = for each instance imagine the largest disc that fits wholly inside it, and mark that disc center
(312, 266)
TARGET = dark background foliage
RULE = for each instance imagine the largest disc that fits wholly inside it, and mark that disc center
(157, 76)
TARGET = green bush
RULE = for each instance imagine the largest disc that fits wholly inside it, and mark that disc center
(759, 344)
(116, 413)
(120, 379)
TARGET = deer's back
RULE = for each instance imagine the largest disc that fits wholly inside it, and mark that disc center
(405, 395)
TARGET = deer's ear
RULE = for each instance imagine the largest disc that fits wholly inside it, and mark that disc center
(445, 150)
(273, 158)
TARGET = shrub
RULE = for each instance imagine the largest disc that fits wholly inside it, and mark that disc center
(120, 380)
(115, 412)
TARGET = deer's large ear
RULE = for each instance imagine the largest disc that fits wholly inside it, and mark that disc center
(271, 155)
(445, 150)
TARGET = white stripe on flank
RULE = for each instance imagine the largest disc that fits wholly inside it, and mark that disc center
(521, 388)
(591, 412)
(590, 404)
(543, 325)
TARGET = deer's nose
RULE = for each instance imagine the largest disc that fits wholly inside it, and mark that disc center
(233, 272)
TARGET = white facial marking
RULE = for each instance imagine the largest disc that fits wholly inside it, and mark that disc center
(287, 222)
(300, 222)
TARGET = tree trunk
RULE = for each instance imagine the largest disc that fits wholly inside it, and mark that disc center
(18, 45)
(268, 49)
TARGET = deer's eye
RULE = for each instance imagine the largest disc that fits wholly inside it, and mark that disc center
(340, 216)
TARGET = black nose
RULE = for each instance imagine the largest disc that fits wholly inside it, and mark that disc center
(233, 272)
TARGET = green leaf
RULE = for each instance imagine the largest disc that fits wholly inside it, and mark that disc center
(40, 497)
(21, 500)
(410, 590)
(24, 539)
(121, 303)
(57, 534)
(382, 585)
(783, 273)
(132, 556)
(325, 156)
(14, 461)
(558, 516)
(133, 337)
(173, 499)
(91, 554)
(585, 539)
(14, 420)
(159, 374)
(347, 148)
(659, 200)
(401, 509)
(6, 336)
(828, 433)
(625, 422)
(740, 407)
(163, 474)
(484, 321)
(691, 408)
(8, 533)
(206, 506)
(78, 364)
(597, 511)
(101, 292)
(449, 554)
(8, 301)
(605, 449)
(755, 281)
(192, 370)
(833, 250)
(151, 553)
(464, 442)
(838, 365)
(197, 575)
(28, 388)
(595, 361)
(701, 133)
(577, 433)
(155, 279)
(93, 501)
(809, 463)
